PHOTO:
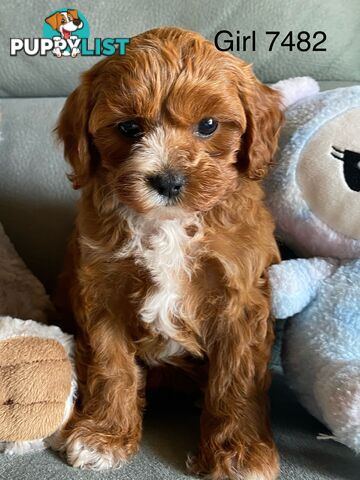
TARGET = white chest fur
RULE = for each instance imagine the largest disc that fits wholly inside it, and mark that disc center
(165, 249)
(166, 260)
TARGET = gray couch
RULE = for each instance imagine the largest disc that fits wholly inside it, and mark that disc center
(37, 203)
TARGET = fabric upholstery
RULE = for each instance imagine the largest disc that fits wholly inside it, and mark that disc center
(36, 200)
(50, 76)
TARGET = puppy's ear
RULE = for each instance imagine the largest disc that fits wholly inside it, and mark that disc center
(72, 130)
(73, 13)
(264, 119)
(53, 20)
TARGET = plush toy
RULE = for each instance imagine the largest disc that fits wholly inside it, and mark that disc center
(313, 191)
(37, 380)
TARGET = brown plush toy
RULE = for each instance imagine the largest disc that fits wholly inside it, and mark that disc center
(37, 380)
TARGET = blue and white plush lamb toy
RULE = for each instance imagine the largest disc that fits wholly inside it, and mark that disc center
(314, 194)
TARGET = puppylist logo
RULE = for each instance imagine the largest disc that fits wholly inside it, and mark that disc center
(66, 34)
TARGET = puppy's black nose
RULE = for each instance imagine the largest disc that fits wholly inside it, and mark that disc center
(167, 184)
(76, 21)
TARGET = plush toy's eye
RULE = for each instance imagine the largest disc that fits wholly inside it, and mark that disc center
(130, 129)
(206, 127)
(351, 169)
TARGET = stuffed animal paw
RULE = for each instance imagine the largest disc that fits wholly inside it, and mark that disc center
(37, 384)
(37, 380)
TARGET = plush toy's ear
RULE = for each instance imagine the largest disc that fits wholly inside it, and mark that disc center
(53, 20)
(294, 89)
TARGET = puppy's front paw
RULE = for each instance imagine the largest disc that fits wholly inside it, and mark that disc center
(258, 462)
(89, 457)
(88, 447)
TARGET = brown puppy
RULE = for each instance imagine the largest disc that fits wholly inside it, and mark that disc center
(168, 260)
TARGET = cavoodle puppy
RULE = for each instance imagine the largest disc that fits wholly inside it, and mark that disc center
(167, 264)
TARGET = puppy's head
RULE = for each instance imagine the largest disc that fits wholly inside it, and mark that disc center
(173, 123)
(65, 22)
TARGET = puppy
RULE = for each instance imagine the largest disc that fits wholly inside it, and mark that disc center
(167, 264)
(66, 23)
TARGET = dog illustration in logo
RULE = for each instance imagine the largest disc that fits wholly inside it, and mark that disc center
(66, 23)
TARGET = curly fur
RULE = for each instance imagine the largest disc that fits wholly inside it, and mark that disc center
(180, 284)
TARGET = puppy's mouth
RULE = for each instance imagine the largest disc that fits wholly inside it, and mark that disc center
(66, 34)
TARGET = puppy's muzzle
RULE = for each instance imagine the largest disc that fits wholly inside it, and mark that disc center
(168, 184)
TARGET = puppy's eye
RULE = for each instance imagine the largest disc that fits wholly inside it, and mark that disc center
(130, 129)
(206, 127)
(63, 20)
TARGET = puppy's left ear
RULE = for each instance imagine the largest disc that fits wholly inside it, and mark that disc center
(72, 129)
(264, 119)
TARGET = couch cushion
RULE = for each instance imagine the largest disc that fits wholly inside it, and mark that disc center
(36, 200)
(50, 76)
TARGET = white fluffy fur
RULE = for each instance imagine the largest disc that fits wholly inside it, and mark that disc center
(19, 448)
(296, 88)
(14, 327)
(165, 259)
(164, 248)
(88, 458)
(153, 153)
